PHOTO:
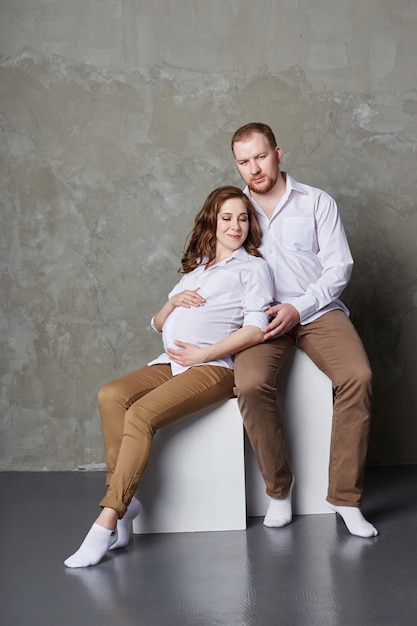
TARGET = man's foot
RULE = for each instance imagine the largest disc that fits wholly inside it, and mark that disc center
(280, 510)
(124, 524)
(354, 520)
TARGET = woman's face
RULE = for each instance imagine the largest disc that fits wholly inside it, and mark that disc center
(232, 227)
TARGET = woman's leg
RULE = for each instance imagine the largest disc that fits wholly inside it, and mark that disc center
(115, 399)
(194, 390)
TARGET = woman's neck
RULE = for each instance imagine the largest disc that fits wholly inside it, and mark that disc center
(221, 256)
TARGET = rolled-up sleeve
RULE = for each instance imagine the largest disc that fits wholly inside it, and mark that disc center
(258, 295)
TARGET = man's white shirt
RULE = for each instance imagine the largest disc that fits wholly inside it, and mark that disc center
(307, 250)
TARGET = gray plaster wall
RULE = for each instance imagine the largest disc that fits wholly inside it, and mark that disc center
(116, 119)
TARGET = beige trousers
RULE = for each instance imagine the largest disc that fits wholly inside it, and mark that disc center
(133, 407)
(335, 347)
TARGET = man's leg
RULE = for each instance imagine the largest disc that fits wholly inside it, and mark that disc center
(334, 345)
(256, 370)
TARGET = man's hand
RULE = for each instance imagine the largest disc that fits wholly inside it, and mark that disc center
(286, 317)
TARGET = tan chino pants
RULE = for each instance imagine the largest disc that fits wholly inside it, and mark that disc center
(134, 406)
(335, 347)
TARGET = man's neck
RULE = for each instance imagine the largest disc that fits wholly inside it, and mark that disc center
(269, 201)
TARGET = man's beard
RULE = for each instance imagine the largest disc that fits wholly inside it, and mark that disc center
(265, 187)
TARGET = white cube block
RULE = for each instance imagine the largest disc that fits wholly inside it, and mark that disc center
(306, 400)
(201, 477)
(196, 477)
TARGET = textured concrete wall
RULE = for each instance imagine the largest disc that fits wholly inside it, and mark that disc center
(116, 117)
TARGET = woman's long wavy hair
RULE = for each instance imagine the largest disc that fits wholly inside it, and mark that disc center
(201, 246)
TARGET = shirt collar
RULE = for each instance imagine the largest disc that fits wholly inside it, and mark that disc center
(292, 184)
(240, 254)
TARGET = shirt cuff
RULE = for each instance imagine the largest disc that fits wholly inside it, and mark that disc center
(306, 306)
(153, 326)
(256, 318)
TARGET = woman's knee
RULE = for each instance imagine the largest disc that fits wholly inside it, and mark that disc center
(139, 423)
(107, 395)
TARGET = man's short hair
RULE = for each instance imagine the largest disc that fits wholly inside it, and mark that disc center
(246, 131)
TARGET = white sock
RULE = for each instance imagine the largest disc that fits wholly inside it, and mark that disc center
(124, 524)
(355, 521)
(280, 510)
(95, 545)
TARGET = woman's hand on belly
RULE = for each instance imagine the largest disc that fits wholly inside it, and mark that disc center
(187, 354)
(187, 298)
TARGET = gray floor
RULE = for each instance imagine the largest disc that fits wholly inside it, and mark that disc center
(311, 572)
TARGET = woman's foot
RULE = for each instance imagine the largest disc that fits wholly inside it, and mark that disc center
(93, 548)
(101, 536)
(124, 524)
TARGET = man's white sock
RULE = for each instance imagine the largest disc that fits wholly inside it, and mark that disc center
(280, 510)
(354, 520)
(123, 525)
(95, 545)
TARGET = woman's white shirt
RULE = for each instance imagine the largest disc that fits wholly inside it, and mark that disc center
(237, 292)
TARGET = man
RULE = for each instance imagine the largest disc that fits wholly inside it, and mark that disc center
(306, 247)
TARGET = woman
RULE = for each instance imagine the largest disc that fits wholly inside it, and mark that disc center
(217, 309)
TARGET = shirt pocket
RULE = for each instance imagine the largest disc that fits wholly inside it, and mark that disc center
(298, 233)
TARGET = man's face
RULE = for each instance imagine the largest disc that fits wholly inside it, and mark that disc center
(257, 163)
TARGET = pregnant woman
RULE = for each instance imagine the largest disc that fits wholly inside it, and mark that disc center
(217, 309)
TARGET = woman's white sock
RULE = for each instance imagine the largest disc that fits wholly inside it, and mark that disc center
(95, 545)
(124, 524)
